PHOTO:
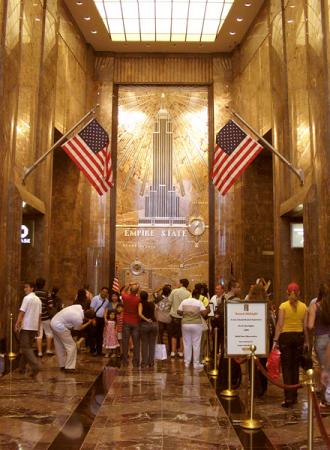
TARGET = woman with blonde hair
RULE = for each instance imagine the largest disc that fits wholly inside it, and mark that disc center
(291, 336)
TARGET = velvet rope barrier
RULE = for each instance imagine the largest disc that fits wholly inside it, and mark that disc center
(276, 383)
(319, 420)
(318, 416)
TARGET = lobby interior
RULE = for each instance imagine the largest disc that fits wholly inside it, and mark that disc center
(269, 62)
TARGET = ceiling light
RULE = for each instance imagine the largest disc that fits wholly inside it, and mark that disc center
(290, 21)
(232, 33)
(79, 3)
(94, 31)
(239, 19)
(37, 19)
(247, 4)
(164, 20)
(87, 18)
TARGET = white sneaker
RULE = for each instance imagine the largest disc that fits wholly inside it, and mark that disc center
(172, 355)
(198, 366)
(180, 354)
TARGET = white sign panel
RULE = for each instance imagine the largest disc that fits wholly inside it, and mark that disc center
(246, 325)
(27, 232)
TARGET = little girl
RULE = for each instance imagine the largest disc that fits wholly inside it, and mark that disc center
(110, 340)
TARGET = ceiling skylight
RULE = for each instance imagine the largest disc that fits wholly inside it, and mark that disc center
(163, 20)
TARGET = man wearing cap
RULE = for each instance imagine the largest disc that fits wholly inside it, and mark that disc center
(290, 337)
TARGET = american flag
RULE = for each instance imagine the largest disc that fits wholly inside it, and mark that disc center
(115, 285)
(89, 150)
(234, 151)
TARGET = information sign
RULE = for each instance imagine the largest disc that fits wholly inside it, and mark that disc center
(246, 325)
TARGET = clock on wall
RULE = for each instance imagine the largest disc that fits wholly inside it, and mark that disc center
(136, 268)
(196, 226)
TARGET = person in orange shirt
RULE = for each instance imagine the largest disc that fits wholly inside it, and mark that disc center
(291, 336)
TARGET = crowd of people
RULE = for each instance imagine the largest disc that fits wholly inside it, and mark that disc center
(113, 323)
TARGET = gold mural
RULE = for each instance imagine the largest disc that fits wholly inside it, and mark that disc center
(162, 184)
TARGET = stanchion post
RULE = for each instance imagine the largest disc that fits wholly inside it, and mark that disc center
(310, 390)
(11, 354)
(252, 423)
(207, 357)
(214, 372)
(229, 392)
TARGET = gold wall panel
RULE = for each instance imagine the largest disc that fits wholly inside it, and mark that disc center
(162, 182)
(163, 69)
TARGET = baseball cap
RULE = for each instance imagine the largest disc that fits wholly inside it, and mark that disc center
(293, 287)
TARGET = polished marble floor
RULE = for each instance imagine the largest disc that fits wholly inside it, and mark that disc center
(105, 407)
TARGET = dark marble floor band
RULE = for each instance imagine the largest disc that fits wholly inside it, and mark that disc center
(79, 423)
(236, 411)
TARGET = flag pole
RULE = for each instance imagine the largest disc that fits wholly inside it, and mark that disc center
(298, 172)
(57, 143)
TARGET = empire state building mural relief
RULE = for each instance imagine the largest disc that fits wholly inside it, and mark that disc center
(162, 184)
(162, 204)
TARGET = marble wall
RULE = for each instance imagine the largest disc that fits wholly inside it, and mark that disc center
(244, 215)
(71, 193)
(46, 75)
(280, 82)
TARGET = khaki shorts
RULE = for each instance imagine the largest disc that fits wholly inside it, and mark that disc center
(45, 327)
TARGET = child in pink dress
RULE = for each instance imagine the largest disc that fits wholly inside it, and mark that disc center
(110, 340)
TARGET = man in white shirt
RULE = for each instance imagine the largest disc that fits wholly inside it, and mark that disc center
(69, 318)
(28, 325)
(216, 299)
(176, 297)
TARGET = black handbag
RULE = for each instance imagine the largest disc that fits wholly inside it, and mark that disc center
(306, 361)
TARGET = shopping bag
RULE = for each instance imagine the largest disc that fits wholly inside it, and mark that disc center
(274, 364)
(160, 352)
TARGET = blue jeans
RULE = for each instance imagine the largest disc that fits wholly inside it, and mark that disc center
(321, 344)
(149, 333)
(134, 331)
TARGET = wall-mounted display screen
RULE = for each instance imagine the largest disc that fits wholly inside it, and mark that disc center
(297, 235)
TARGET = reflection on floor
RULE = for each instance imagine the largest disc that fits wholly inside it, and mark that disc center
(168, 407)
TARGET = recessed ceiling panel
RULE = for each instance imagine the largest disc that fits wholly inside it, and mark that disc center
(164, 20)
(175, 26)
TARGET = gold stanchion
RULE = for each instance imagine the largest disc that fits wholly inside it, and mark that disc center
(251, 423)
(229, 392)
(310, 390)
(207, 357)
(11, 354)
(214, 372)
